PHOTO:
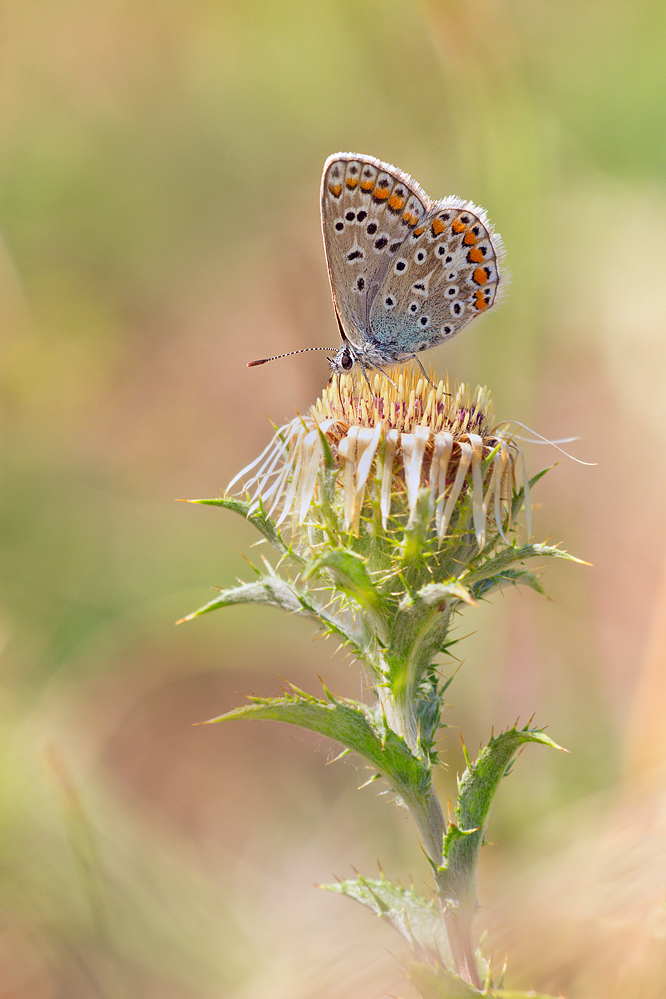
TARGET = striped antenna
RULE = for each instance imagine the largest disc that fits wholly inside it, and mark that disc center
(264, 360)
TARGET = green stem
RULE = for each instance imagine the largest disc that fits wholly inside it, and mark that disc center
(397, 703)
(405, 718)
(425, 808)
(430, 821)
(458, 922)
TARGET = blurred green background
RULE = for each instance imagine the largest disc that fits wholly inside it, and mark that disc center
(159, 225)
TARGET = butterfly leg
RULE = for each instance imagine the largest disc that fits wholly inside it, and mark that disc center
(388, 378)
(425, 374)
(365, 375)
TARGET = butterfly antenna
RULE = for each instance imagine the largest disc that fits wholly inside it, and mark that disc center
(303, 350)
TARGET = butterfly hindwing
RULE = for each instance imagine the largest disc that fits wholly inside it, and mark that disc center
(445, 274)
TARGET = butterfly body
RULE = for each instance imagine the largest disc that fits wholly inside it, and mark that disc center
(406, 273)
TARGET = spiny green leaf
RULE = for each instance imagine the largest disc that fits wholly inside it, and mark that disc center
(480, 781)
(517, 577)
(417, 532)
(256, 516)
(437, 593)
(275, 591)
(350, 576)
(350, 724)
(418, 632)
(477, 788)
(418, 921)
(268, 590)
(428, 704)
(519, 496)
(499, 563)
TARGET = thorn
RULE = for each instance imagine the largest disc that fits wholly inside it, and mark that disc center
(500, 983)
(244, 556)
(489, 976)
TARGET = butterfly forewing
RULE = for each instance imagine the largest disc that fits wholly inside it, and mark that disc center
(368, 210)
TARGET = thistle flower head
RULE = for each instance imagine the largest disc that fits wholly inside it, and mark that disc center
(376, 459)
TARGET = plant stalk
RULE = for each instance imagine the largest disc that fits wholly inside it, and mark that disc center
(458, 923)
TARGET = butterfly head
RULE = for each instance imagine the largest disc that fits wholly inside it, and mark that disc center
(344, 360)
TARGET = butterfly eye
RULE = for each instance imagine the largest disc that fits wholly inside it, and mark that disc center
(346, 362)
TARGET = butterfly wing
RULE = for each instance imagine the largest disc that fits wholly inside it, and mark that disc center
(445, 274)
(368, 210)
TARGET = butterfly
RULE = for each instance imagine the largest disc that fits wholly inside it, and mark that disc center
(406, 273)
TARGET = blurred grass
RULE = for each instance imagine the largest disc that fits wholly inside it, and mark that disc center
(159, 172)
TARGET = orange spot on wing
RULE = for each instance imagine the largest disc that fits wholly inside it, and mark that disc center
(459, 226)
(475, 256)
(437, 227)
(335, 189)
(351, 182)
(469, 238)
(480, 302)
(367, 185)
(409, 219)
(381, 193)
(396, 202)
(480, 275)
(419, 232)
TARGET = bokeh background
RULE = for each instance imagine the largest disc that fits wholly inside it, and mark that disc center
(159, 225)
